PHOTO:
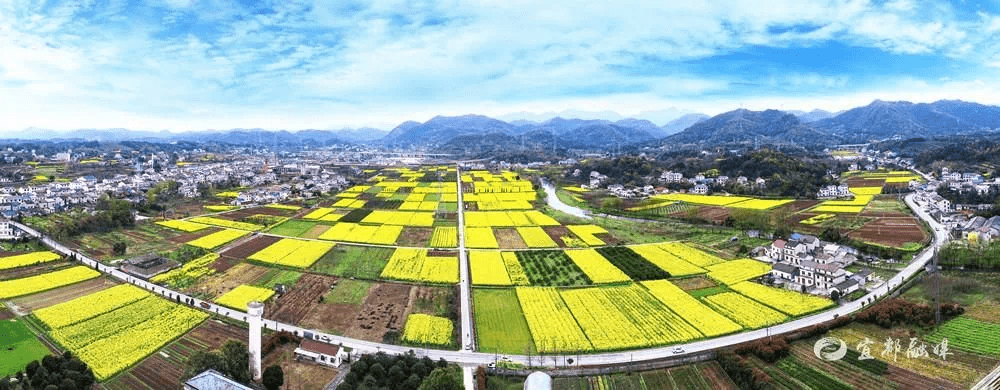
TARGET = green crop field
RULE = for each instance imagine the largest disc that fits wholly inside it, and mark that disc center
(970, 335)
(351, 292)
(551, 268)
(500, 325)
(292, 228)
(276, 277)
(353, 261)
(19, 347)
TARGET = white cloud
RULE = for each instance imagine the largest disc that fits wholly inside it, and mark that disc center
(368, 62)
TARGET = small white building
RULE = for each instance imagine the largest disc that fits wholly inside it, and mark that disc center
(322, 353)
(213, 380)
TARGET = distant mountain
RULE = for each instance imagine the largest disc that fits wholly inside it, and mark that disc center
(745, 126)
(364, 134)
(883, 120)
(441, 129)
(603, 136)
(812, 116)
(679, 124)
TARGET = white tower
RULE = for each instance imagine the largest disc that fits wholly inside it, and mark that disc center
(255, 311)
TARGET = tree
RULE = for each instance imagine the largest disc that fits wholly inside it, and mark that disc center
(119, 248)
(273, 377)
(443, 378)
(236, 357)
(835, 295)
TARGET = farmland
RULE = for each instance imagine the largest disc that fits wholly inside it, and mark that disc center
(551, 268)
(21, 346)
(500, 325)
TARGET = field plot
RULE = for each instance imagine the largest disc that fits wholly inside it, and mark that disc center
(488, 269)
(115, 340)
(293, 306)
(897, 232)
(626, 317)
(227, 223)
(20, 347)
(550, 321)
(745, 311)
(760, 204)
(444, 237)
(27, 259)
(35, 284)
(480, 238)
(165, 370)
(89, 306)
(706, 320)
(240, 296)
(786, 301)
(189, 273)
(708, 200)
(690, 254)
(535, 237)
(218, 239)
(293, 253)
(631, 263)
(384, 309)
(292, 228)
(182, 225)
(413, 236)
(422, 329)
(587, 232)
(737, 270)
(969, 335)
(353, 261)
(514, 269)
(507, 238)
(551, 268)
(597, 268)
(254, 245)
(416, 265)
(673, 265)
(500, 325)
(222, 282)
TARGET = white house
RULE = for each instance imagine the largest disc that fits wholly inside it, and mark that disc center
(322, 353)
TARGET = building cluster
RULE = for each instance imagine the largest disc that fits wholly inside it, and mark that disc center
(252, 173)
(805, 263)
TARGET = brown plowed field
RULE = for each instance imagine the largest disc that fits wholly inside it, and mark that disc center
(800, 205)
(384, 309)
(891, 231)
(63, 294)
(250, 247)
(333, 318)
(862, 182)
(240, 214)
(413, 236)
(715, 376)
(555, 232)
(293, 306)
(509, 239)
(219, 284)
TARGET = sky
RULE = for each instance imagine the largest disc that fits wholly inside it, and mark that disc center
(182, 65)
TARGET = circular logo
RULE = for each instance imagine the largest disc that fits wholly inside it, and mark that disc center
(830, 348)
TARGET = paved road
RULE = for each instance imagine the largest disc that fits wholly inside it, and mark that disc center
(470, 359)
(465, 283)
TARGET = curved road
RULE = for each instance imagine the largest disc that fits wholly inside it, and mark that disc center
(469, 358)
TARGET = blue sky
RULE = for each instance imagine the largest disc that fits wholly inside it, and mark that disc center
(190, 64)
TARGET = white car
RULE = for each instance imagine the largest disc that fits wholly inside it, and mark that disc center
(678, 350)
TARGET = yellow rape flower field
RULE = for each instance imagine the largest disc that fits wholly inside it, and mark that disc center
(587, 232)
(423, 329)
(786, 301)
(745, 311)
(27, 259)
(706, 320)
(597, 268)
(239, 297)
(293, 253)
(414, 265)
(488, 269)
(535, 237)
(217, 239)
(514, 269)
(183, 225)
(480, 238)
(667, 261)
(738, 270)
(114, 329)
(44, 282)
(89, 306)
(444, 237)
(550, 321)
(227, 223)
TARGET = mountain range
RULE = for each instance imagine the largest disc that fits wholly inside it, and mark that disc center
(876, 121)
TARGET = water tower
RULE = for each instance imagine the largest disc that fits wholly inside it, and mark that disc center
(255, 310)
